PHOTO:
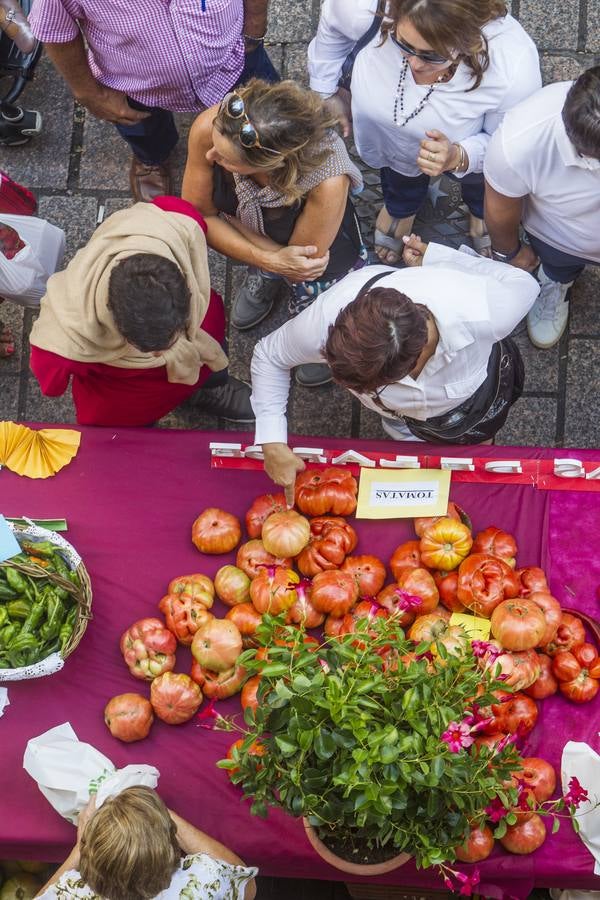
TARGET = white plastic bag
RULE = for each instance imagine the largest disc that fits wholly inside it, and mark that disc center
(23, 278)
(579, 760)
(68, 771)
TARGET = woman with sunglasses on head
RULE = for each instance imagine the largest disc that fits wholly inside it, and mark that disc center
(272, 180)
(427, 92)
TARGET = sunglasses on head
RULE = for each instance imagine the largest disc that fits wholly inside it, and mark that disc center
(424, 55)
(233, 105)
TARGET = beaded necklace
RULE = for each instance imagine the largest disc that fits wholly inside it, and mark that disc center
(399, 101)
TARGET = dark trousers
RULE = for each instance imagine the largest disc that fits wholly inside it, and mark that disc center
(153, 139)
(404, 195)
(558, 265)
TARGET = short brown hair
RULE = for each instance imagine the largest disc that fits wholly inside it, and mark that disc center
(376, 340)
(129, 848)
(581, 114)
(450, 27)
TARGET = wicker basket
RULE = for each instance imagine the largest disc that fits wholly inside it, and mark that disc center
(82, 594)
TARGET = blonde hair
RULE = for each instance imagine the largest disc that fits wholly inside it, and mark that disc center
(289, 119)
(450, 27)
(129, 849)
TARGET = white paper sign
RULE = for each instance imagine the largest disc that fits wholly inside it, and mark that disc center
(402, 493)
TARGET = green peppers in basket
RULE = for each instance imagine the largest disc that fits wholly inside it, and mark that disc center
(16, 581)
(7, 633)
(36, 614)
(18, 609)
(55, 616)
(6, 592)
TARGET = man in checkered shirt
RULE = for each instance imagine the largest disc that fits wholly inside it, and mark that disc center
(134, 62)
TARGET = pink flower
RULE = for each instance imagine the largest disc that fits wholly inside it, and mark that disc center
(485, 648)
(576, 793)
(208, 715)
(324, 665)
(476, 720)
(457, 736)
(495, 810)
(505, 742)
(407, 601)
(468, 882)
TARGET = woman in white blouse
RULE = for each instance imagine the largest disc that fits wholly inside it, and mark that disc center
(427, 92)
(426, 347)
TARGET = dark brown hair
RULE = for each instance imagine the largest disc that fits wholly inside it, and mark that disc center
(450, 27)
(289, 119)
(581, 114)
(376, 340)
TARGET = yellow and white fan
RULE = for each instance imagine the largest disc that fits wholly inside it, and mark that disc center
(36, 454)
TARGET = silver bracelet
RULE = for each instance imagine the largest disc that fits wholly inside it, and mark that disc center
(463, 159)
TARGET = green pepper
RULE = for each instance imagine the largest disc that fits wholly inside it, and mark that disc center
(44, 549)
(16, 581)
(35, 616)
(64, 634)
(8, 633)
(6, 592)
(4, 619)
(60, 565)
(72, 616)
(22, 642)
(55, 616)
(18, 609)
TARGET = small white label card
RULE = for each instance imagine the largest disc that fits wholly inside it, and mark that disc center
(402, 493)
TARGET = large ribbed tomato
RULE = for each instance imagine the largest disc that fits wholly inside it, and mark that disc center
(552, 614)
(252, 558)
(232, 585)
(399, 603)
(518, 624)
(175, 698)
(332, 539)
(569, 633)
(406, 556)
(496, 542)
(274, 590)
(216, 531)
(183, 615)
(323, 491)
(545, 684)
(198, 587)
(148, 648)
(429, 627)
(525, 837)
(453, 512)
(532, 579)
(129, 717)
(518, 670)
(302, 612)
(218, 685)
(447, 585)
(539, 775)
(334, 593)
(217, 645)
(444, 544)
(285, 533)
(247, 619)
(368, 571)
(484, 581)
(512, 714)
(261, 509)
(419, 583)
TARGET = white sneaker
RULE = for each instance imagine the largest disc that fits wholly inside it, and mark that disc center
(548, 317)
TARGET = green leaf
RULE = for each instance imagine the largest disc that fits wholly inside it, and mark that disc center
(287, 747)
(301, 683)
(555, 824)
(324, 745)
(282, 690)
(274, 669)
(500, 830)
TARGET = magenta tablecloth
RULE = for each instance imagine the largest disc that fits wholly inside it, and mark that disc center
(130, 497)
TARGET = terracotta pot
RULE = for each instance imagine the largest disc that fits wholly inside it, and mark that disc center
(350, 867)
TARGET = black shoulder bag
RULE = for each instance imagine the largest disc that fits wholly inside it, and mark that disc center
(346, 76)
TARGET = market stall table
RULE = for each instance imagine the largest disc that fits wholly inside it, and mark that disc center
(130, 498)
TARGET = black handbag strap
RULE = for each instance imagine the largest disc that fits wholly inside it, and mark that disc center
(369, 284)
(346, 75)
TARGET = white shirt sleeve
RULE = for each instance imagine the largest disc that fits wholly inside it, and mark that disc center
(296, 342)
(511, 292)
(338, 31)
(498, 171)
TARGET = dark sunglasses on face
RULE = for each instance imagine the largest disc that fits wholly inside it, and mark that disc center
(424, 55)
(233, 105)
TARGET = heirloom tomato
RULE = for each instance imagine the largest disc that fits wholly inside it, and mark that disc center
(246, 618)
(453, 512)
(368, 572)
(274, 590)
(518, 624)
(218, 685)
(261, 509)
(565, 666)
(580, 689)
(445, 544)
(496, 542)
(429, 627)
(569, 633)
(175, 698)
(334, 593)
(129, 717)
(437, 631)
(513, 714)
(525, 837)
(232, 585)
(285, 533)
(419, 583)
(484, 581)
(447, 585)
(585, 654)
(538, 775)
(252, 558)
(517, 669)
(217, 645)
(399, 603)
(198, 587)
(148, 648)
(249, 696)
(302, 612)
(216, 531)
(183, 616)
(532, 579)
(477, 846)
(406, 556)
(545, 684)
(332, 539)
(333, 627)
(323, 491)
(552, 613)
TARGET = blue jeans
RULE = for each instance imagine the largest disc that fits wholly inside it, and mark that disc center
(558, 265)
(153, 139)
(404, 195)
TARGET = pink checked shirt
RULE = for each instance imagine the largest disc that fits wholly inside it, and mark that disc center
(177, 54)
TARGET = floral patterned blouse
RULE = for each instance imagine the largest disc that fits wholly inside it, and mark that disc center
(199, 877)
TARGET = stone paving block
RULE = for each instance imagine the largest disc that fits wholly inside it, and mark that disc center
(275, 52)
(217, 265)
(44, 161)
(325, 411)
(9, 395)
(75, 215)
(592, 41)
(47, 409)
(371, 427)
(12, 316)
(294, 65)
(582, 423)
(531, 422)
(114, 204)
(541, 366)
(563, 68)
(289, 21)
(585, 303)
(551, 23)
(105, 159)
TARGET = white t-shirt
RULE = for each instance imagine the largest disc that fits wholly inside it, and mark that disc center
(475, 302)
(466, 117)
(531, 156)
(199, 877)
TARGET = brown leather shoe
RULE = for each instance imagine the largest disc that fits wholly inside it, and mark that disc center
(149, 181)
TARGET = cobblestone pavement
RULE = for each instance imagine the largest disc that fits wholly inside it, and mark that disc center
(79, 167)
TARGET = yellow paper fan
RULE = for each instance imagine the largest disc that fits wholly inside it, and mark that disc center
(36, 454)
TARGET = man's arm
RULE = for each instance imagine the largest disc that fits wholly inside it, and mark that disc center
(103, 102)
(255, 20)
(503, 218)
